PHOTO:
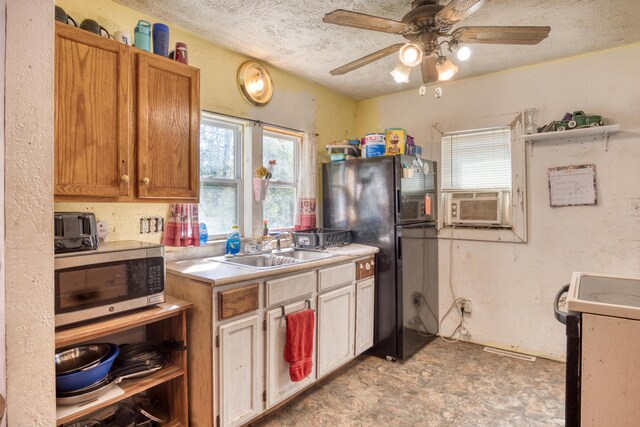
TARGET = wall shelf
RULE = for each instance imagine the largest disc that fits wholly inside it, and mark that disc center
(596, 132)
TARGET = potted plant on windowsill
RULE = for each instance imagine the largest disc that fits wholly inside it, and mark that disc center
(261, 181)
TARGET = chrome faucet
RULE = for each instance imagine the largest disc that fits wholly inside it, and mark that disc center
(277, 238)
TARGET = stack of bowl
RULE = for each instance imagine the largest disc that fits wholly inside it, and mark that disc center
(83, 369)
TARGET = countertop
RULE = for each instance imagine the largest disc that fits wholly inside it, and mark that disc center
(218, 274)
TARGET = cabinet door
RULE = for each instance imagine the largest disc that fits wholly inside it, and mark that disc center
(336, 324)
(168, 123)
(239, 367)
(279, 384)
(365, 294)
(92, 106)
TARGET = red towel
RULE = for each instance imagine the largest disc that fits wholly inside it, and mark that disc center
(298, 350)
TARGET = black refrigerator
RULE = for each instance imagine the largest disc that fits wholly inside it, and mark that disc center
(390, 202)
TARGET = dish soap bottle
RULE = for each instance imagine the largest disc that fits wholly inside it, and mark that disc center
(233, 240)
(204, 236)
(265, 229)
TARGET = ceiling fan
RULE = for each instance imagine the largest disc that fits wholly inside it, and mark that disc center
(423, 26)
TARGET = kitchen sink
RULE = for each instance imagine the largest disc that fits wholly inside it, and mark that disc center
(274, 259)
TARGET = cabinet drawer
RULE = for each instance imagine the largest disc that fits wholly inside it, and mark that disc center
(365, 268)
(333, 277)
(238, 301)
(291, 287)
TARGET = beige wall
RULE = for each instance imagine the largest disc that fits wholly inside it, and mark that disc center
(512, 285)
(28, 213)
(296, 103)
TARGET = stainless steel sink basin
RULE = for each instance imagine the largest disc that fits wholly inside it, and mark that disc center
(275, 259)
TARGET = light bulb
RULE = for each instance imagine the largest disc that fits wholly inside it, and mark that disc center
(256, 85)
(401, 73)
(463, 53)
(446, 69)
(410, 54)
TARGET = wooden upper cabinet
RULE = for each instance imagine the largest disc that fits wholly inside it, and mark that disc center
(92, 115)
(168, 125)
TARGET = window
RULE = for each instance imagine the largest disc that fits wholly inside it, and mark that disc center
(476, 177)
(280, 203)
(220, 175)
(477, 160)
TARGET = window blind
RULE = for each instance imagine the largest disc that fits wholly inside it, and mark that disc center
(477, 160)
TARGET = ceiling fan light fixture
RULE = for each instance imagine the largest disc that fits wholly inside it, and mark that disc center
(401, 73)
(446, 69)
(462, 52)
(410, 54)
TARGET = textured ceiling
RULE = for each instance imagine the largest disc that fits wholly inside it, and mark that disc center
(290, 34)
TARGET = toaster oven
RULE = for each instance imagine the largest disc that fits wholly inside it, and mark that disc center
(117, 277)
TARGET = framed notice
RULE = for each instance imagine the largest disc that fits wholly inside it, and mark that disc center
(572, 186)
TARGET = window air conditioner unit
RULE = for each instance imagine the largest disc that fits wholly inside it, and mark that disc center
(478, 208)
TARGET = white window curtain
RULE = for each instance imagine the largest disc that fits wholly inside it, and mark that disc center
(306, 204)
(476, 160)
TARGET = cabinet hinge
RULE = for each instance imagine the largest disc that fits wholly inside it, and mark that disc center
(264, 325)
(218, 421)
(264, 396)
(217, 341)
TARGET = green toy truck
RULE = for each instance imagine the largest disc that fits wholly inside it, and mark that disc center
(578, 120)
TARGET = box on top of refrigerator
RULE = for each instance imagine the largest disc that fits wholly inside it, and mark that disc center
(395, 141)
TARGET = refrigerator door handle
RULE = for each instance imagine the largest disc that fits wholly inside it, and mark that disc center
(399, 247)
(398, 204)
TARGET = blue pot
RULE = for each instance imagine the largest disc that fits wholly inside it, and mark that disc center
(78, 380)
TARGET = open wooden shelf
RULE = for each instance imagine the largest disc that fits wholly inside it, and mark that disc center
(112, 325)
(162, 322)
(130, 387)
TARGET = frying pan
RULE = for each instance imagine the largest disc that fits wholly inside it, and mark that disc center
(116, 377)
(80, 358)
(80, 379)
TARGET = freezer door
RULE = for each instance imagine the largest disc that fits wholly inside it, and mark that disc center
(417, 277)
(360, 195)
(416, 199)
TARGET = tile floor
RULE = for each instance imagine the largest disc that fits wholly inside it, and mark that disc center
(441, 385)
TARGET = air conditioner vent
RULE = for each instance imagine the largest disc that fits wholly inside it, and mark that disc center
(463, 195)
(487, 195)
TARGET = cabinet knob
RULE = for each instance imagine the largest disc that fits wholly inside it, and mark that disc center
(146, 180)
(124, 178)
(367, 266)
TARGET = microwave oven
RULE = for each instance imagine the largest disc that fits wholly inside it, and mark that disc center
(117, 277)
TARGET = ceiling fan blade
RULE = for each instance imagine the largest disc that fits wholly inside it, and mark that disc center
(366, 22)
(429, 70)
(457, 10)
(501, 35)
(366, 60)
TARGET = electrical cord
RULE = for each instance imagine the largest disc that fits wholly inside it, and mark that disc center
(456, 301)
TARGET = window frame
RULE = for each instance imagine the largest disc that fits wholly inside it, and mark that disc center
(297, 139)
(518, 232)
(237, 180)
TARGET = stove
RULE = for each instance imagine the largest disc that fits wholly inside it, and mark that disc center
(602, 319)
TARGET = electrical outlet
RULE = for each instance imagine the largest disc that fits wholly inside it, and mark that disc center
(464, 305)
(467, 306)
(144, 225)
(634, 207)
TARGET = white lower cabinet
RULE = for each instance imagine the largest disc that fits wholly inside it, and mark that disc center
(365, 294)
(336, 325)
(278, 383)
(240, 371)
(252, 373)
